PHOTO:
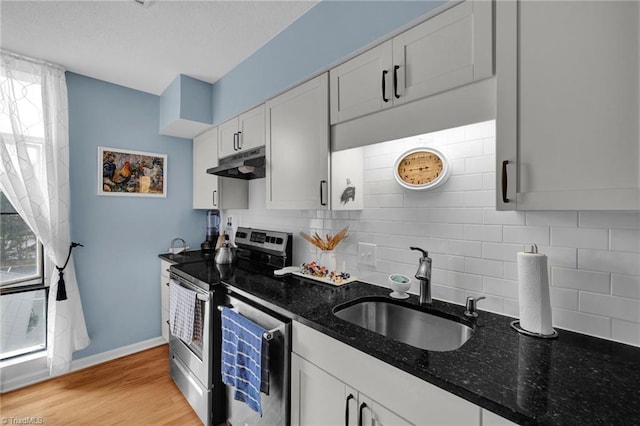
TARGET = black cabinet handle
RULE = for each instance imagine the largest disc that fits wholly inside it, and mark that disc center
(384, 85)
(168, 322)
(322, 202)
(235, 141)
(239, 140)
(362, 407)
(504, 181)
(395, 81)
(346, 409)
(213, 198)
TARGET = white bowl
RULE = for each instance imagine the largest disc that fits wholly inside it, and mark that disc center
(399, 284)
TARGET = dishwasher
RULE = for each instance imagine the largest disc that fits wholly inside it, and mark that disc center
(275, 405)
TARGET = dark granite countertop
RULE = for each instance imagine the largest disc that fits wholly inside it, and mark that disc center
(574, 379)
(189, 256)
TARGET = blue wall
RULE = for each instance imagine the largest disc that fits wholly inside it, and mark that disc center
(327, 33)
(118, 269)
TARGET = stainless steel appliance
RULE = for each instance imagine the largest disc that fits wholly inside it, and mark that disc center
(275, 405)
(191, 364)
(244, 165)
(195, 367)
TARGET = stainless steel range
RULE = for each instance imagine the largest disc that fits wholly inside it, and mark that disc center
(195, 366)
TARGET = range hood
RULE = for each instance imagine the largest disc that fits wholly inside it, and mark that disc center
(244, 165)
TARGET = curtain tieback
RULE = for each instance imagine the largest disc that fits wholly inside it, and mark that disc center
(62, 290)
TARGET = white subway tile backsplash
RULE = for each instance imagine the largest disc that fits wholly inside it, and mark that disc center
(486, 129)
(497, 251)
(465, 248)
(386, 200)
(564, 298)
(494, 217)
(625, 240)
(481, 164)
(610, 306)
(501, 287)
(603, 219)
(526, 235)
(580, 237)
(489, 181)
(484, 267)
(581, 322)
(511, 308)
(593, 256)
(565, 257)
(454, 215)
(491, 233)
(626, 332)
(561, 218)
(609, 261)
(465, 182)
(449, 294)
(598, 282)
(466, 281)
(625, 286)
(510, 271)
(479, 198)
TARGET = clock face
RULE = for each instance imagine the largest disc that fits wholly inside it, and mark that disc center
(421, 168)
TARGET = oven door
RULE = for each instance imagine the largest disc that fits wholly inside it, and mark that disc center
(197, 355)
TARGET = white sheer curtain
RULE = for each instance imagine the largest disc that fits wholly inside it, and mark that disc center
(34, 175)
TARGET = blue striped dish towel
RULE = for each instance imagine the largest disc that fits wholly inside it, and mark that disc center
(182, 304)
(242, 358)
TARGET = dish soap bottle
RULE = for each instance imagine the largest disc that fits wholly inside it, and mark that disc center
(228, 232)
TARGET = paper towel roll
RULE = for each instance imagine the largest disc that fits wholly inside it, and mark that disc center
(533, 289)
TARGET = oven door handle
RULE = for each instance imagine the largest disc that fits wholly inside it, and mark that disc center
(200, 294)
(267, 335)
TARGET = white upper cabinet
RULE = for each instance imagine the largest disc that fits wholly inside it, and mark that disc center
(211, 191)
(451, 49)
(567, 131)
(297, 148)
(242, 133)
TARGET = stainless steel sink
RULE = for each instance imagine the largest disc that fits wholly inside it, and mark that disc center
(430, 331)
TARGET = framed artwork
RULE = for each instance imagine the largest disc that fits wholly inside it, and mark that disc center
(131, 173)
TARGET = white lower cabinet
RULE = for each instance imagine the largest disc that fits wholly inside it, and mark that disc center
(321, 399)
(325, 372)
(491, 419)
(164, 298)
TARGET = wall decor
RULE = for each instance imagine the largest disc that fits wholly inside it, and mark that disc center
(131, 173)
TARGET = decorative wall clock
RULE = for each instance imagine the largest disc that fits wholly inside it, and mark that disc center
(422, 168)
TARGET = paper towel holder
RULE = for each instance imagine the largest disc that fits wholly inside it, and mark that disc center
(516, 326)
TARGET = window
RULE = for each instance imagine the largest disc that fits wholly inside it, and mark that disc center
(23, 296)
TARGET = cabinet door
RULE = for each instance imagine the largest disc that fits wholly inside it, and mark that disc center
(449, 50)
(317, 398)
(374, 414)
(362, 85)
(205, 156)
(568, 105)
(251, 129)
(228, 138)
(297, 148)
(164, 299)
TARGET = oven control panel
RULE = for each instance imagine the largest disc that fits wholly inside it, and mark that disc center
(274, 242)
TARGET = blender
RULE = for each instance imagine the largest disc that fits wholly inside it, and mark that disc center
(208, 246)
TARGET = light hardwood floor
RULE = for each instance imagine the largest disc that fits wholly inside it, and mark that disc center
(133, 390)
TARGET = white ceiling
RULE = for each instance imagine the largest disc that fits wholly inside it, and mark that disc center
(144, 48)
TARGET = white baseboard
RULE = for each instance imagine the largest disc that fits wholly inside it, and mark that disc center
(37, 371)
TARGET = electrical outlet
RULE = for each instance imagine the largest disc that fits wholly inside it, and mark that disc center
(367, 254)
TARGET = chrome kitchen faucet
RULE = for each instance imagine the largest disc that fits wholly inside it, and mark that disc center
(424, 275)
